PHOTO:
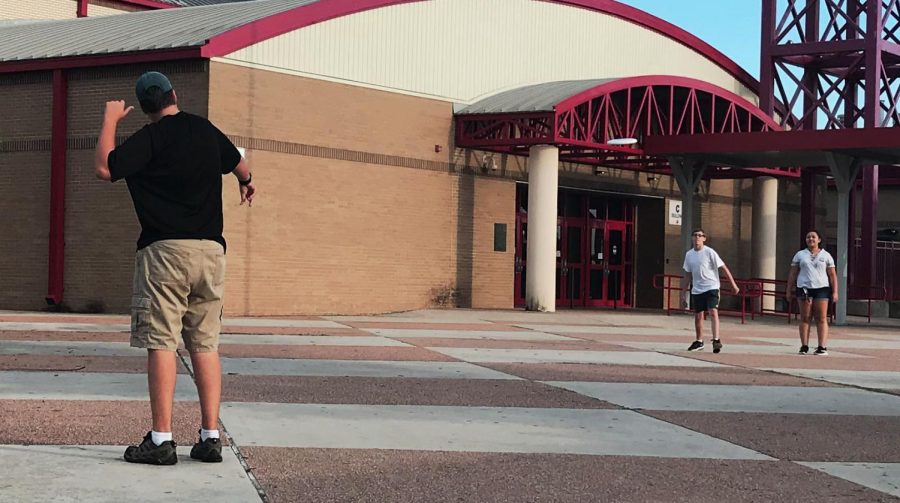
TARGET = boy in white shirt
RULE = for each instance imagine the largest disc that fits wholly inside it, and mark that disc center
(701, 274)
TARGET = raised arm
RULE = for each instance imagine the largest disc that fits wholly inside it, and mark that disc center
(106, 142)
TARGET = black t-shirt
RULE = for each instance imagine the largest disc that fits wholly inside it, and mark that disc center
(173, 168)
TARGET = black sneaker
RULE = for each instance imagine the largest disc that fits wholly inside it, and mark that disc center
(208, 451)
(821, 351)
(151, 454)
(696, 346)
(804, 350)
(717, 345)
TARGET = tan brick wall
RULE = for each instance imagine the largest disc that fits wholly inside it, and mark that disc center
(26, 105)
(492, 271)
(25, 115)
(25, 179)
(328, 236)
(262, 104)
(335, 236)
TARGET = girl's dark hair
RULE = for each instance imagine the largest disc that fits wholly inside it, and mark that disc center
(155, 100)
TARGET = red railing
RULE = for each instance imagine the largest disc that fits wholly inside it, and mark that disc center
(754, 291)
(778, 288)
(887, 271)
(750, 290)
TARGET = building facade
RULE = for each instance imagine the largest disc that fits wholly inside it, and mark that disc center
(346, 116)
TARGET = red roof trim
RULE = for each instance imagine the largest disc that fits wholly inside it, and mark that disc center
(325, 10)
(147, 4)
(98, 60)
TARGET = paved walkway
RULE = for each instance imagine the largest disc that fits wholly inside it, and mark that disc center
(459, 405)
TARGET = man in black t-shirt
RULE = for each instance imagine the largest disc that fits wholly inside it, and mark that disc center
(173, 168)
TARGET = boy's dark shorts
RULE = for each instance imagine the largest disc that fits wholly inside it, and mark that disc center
(823, 293)
(705, 301)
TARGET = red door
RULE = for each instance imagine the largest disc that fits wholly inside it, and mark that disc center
(608, 264)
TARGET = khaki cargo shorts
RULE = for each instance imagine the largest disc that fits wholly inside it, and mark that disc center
(177, 294)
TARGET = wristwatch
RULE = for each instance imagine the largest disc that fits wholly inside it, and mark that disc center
(247, 181)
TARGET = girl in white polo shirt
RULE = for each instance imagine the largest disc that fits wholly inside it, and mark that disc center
(816, 283)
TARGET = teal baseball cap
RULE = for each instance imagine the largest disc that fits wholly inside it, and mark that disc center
(148, 80)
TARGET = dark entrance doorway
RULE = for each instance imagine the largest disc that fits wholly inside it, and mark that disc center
(594, 249)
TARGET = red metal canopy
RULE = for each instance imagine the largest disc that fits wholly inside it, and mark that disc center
(583, 124)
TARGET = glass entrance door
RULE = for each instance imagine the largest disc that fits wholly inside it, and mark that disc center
(606, 264)
(594, 234)
(569, 262)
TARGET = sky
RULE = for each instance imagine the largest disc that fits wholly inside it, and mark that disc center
(731, 26)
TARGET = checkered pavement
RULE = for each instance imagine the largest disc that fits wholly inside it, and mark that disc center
(461, 406)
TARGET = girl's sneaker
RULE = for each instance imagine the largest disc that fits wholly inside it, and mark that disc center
(821, 351)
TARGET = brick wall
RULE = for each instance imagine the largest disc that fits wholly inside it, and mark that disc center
(492, 271)
(25, 114)
(357, 212)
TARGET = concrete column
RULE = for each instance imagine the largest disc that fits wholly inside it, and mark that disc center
(765, 233)
(844, 170)
(688, 174)
(543, 185)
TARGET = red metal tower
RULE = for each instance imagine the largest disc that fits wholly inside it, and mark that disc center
(833, 64)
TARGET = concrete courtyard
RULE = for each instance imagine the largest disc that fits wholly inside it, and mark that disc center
(463, 406)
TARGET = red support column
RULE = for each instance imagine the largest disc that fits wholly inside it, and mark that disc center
(82, 9)
(873, 118)
(807, 204)
(56, 261)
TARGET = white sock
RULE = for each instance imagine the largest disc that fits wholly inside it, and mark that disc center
(204, 434)
(158, 437)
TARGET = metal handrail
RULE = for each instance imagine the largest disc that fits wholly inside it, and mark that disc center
(750, 289)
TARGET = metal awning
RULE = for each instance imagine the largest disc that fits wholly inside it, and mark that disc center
(805, 148)
(583, 117)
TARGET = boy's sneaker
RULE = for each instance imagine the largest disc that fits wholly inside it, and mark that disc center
(208, 451)
(821, 351)
(804, 350)
(696, 346)
(151, 454)
(717, 345)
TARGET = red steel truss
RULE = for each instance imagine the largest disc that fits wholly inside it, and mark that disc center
(834, 64)
(635, 107)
